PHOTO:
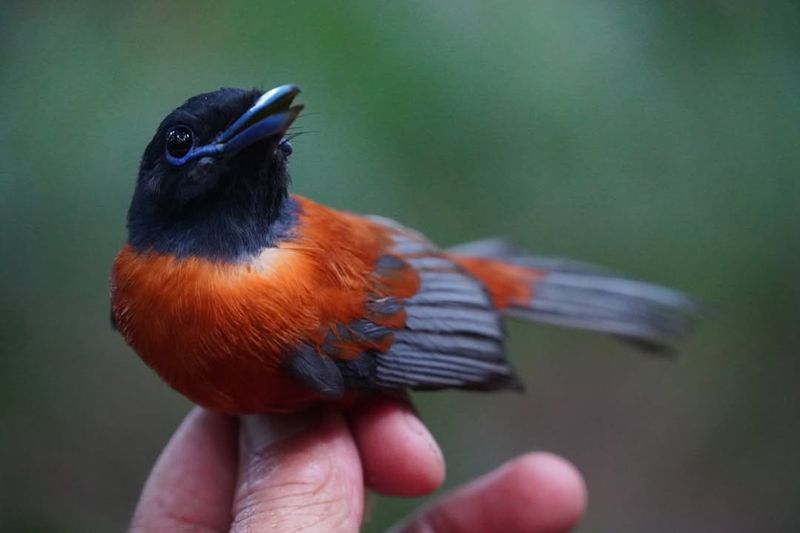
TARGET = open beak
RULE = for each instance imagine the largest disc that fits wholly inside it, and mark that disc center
(270, 116)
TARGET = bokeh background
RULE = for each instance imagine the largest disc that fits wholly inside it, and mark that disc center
(659, 139)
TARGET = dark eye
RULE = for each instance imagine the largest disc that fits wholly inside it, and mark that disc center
(179, 141)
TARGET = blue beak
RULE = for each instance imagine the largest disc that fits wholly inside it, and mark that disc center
(270, 116)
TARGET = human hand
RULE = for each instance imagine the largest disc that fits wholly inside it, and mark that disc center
(308, 472)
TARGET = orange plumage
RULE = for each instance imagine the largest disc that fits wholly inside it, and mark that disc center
(218, 332)
(247, 299)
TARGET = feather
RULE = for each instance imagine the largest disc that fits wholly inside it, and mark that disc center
(579, 295)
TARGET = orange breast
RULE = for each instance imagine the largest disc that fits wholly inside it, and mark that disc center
(219, 332)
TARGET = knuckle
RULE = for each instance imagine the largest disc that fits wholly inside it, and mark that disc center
(294, 497)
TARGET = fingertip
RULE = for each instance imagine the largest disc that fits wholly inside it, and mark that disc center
(192, 483)
(537, 492)
(543, 480)
(302, 461)
(399, 455)
(260, 431)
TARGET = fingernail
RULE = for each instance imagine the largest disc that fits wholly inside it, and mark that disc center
(258, 437)
(260, 431)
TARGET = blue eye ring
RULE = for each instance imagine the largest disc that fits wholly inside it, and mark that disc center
(178, 144)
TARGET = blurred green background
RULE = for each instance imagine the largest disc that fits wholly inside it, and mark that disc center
(659, 139)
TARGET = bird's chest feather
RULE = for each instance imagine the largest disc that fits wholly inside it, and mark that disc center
(218, 332)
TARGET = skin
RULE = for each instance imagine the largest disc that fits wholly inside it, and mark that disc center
(309, 472)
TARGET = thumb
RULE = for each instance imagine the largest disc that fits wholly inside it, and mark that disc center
(297, 473)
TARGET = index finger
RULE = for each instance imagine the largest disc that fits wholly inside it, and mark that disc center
(191, 485)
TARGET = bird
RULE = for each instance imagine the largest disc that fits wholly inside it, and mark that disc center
(246, 298)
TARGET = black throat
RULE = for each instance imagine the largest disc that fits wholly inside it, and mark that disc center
(235, 222)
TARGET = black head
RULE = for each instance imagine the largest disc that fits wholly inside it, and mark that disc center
(213, 181)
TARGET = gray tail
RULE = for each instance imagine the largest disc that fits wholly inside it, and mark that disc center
(583, 296)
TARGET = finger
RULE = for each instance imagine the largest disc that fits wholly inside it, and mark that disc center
(399, 455)
(298, 474)
(536, 493)
(191, 485)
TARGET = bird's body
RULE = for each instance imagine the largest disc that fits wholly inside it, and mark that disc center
(220, 331)
(248, 299)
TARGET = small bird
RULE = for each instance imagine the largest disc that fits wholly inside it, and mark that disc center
(249, 299)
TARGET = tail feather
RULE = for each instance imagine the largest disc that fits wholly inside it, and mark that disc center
(579, 295)
(506, 251)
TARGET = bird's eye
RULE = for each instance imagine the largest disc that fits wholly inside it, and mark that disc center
(180, 140)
